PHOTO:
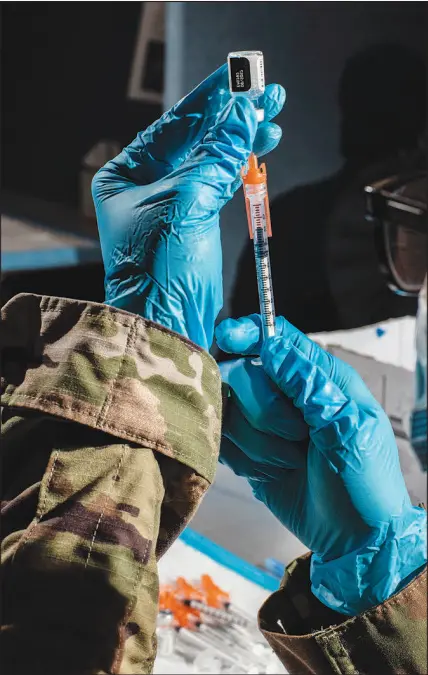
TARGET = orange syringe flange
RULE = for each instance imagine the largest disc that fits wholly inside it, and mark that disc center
(214, 595)
(187, 591)
(184, 616)
(255, 175)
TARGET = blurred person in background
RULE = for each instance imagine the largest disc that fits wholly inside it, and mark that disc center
(397, 208)
(112, 420)
(419, 416)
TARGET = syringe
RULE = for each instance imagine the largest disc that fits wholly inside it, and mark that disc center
(246, 78)
(259, 225)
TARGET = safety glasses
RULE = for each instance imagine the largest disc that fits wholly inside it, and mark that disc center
(398, 208)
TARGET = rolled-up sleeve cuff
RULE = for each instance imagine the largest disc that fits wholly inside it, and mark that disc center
(310, 638)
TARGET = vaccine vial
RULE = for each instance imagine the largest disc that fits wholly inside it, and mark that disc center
(247, 78)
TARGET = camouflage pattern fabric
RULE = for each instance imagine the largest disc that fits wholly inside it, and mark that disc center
(110, 437)
(309, 638)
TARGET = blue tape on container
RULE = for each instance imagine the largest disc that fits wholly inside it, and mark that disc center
(228, 559)
(275, 567)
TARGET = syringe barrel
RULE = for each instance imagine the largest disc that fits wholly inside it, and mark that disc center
(256, 200)
(255, 196)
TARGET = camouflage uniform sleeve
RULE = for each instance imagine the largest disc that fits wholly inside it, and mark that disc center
(110, 437)
(310, 638)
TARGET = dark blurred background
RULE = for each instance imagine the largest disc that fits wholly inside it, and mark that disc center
(80, 79)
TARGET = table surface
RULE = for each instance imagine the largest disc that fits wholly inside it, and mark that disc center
(182, 559)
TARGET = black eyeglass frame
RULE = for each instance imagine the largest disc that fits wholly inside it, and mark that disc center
(385, 206)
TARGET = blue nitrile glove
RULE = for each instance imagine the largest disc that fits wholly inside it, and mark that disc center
(319, 451)
(158, 204)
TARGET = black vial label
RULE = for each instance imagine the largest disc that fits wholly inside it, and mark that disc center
(240, 76)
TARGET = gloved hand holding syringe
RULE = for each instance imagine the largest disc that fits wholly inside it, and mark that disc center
(246, 78)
